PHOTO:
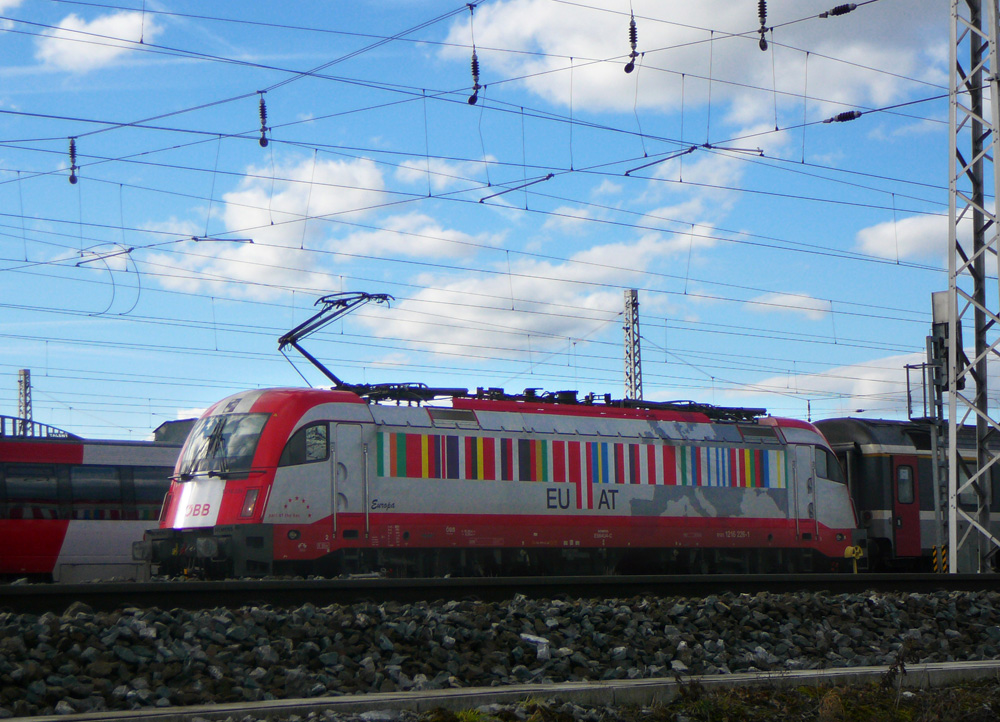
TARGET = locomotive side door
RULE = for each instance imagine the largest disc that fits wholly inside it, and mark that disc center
(905, 506)
(350, 493)
(804, 492)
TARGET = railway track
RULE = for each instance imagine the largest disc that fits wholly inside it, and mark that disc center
(173, 645)
(38, 598)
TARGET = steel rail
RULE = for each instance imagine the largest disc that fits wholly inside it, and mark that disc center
(38, 598)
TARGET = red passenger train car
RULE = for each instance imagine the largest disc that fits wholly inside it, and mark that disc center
(313, 480)
(70, 508)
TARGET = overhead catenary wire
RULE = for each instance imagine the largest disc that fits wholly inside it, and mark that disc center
(548, 209)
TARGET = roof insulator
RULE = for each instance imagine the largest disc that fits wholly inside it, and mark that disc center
(844, 117)
(839, 10)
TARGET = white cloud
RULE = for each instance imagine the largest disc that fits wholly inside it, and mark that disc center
(273, 210)
(273, 215)
(297, 239)
(608, 188)
(814, 309)
(79, 46)
(414, 234)
(876, 387)
(6, 5)
(567, 218)
(443, 174)
(749, 83)
(552, 301)
(914, 237)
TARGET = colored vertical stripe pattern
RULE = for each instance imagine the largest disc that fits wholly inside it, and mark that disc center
(485, 458)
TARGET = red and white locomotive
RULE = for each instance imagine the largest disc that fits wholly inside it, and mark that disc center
(318, 480)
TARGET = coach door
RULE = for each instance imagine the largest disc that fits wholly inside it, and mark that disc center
(350, 492)
(905, 506)
(804, 493)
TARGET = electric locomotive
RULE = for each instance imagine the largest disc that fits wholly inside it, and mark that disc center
(330, 481)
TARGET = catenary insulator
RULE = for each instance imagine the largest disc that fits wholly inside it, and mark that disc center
(762, 15)
(844, 117)
(475, 78)
(72, 160)
(839, 10)
(263, 123)
(633, 38)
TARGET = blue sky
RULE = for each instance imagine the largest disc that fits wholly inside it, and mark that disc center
(789, 269)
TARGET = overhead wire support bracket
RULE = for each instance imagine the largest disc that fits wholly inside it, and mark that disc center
(334, 306)
(104, 256)
(692, 149)
(517, 188)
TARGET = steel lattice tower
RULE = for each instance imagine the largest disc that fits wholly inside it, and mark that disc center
(971, 303)
(24, 403)
(633, 361)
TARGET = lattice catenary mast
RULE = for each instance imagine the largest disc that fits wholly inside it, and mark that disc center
(973, 36)
(24, 403)
(633, 362)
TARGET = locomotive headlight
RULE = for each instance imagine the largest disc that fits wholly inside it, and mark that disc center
(294, 534)
(249, 502)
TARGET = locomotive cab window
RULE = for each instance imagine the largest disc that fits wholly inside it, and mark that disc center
(308, 444)
(904, 484)
(827, 466)
(223, 443)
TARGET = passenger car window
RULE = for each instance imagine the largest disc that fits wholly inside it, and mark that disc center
(32, 491)
(96, 492)
(904, 484)
(308, 444)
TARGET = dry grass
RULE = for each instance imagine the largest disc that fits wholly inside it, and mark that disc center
(974, 702)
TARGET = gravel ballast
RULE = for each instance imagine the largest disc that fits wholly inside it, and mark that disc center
(86, 661)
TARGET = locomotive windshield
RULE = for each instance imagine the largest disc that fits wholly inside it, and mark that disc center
(222, 444)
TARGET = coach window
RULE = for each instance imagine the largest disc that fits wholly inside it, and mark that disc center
(32, 491)
(151, 484)
(827, 466)
(96, 492)
(904, 484)
(308, 444)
